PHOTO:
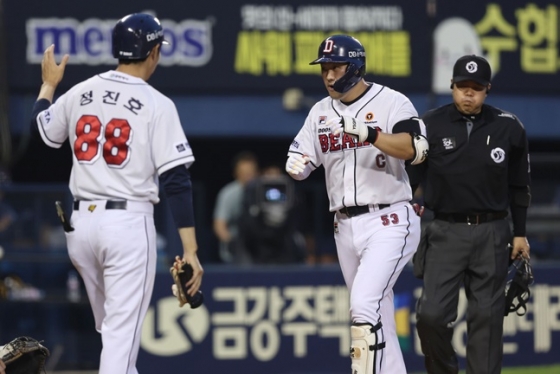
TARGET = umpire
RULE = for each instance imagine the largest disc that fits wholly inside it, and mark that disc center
(477, 167)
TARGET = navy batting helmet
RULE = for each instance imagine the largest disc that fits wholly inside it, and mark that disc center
(343, 49)
(135, 35)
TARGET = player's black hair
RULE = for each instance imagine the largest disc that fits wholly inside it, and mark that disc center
(137, 60)
(130, 62)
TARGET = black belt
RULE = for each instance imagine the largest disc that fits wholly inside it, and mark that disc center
(471, 219)
(109, 204)
(353, 211)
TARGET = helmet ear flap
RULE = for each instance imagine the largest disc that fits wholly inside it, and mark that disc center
(353, 75)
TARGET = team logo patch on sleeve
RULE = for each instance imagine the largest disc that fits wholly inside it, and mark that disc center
(322, 120)
(295, 144)
(181, 147)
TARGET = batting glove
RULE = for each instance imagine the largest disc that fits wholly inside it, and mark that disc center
(295, 165)
(350, 126)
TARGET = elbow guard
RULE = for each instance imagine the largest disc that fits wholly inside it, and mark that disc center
(421, 147)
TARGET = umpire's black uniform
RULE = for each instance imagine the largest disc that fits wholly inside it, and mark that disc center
(477, 167)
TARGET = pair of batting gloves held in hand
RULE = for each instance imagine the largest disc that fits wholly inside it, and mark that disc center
(361, 132)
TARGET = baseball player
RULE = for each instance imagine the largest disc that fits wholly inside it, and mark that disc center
(362, 133)
(124, 135)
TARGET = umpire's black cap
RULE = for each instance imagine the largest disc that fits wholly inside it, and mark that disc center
(472, 68)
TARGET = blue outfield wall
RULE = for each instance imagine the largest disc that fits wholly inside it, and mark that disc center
(288, 320)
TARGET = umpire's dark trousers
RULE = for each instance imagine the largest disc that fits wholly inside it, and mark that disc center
(475, 256)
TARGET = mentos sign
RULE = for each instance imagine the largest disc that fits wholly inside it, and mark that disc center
(89, 41)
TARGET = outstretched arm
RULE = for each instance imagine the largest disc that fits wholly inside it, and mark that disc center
(52, 74)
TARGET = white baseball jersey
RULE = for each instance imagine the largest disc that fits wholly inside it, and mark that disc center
(123, 134)
(357, 173)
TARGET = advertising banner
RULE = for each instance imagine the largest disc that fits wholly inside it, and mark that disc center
(241, 47)
(284, 320)
(519, 38)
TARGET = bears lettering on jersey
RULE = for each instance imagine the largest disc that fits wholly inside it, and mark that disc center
(334, 143)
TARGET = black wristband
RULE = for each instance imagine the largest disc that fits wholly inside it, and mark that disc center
(373, 134)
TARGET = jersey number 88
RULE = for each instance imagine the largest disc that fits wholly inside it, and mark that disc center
(90, 136)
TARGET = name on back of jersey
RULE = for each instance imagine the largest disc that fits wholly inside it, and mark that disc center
(112, 98)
